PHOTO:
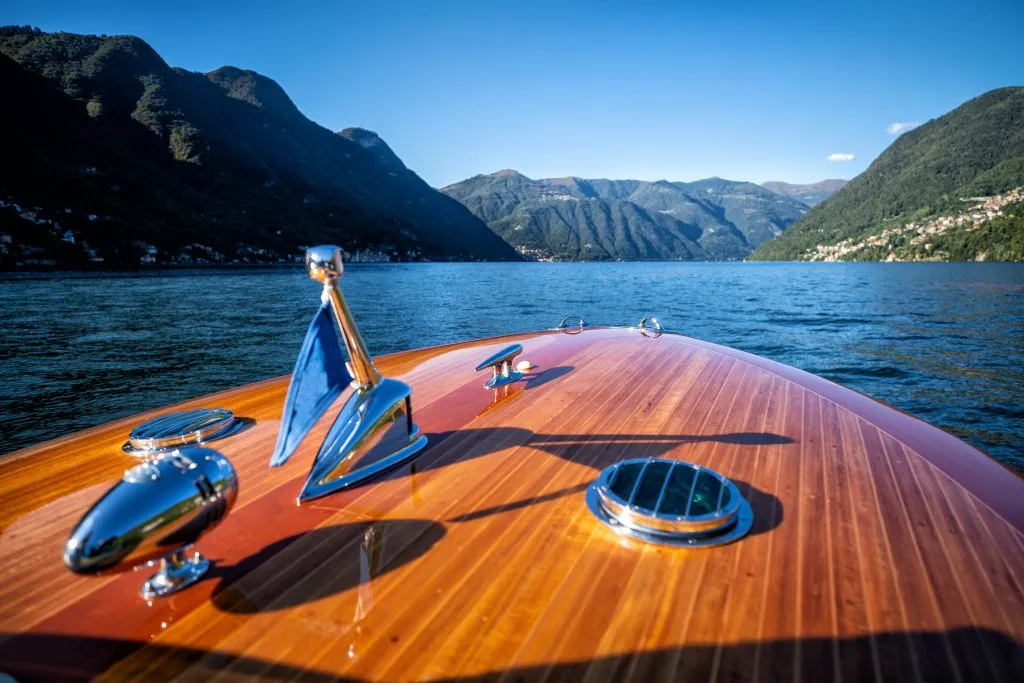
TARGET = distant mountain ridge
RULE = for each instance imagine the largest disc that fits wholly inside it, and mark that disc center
(906, 205)
(811, 193)
(163, 159)
(575, 218)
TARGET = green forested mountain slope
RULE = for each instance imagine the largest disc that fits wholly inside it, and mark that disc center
(595, 219)
(757, 212)
(103, 127)
(567, 219)
(593, 229)
(975, 150)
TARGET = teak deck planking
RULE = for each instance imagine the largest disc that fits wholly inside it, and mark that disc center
(882, 548)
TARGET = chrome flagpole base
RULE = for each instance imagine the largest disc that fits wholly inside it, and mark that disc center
(374, 431)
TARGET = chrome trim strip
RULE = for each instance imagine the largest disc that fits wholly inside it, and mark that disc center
(693, 490)
(631, 516)
(611, 475)
(664, 488)
(721, 493)
(636, 484)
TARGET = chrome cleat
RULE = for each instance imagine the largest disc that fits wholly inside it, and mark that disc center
(501, 362)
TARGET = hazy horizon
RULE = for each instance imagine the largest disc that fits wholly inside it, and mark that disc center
(651, 180)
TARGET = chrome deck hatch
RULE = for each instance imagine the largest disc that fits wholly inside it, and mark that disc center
(190, 427)
(671, 502)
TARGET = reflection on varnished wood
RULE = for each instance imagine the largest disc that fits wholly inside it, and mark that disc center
(500, 396)
(323, 562)
(536, 378)
(880, 657)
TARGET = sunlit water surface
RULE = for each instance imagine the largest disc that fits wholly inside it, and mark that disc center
(944, 342)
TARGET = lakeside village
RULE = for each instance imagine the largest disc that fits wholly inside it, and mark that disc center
(35, 255)
(919, 233)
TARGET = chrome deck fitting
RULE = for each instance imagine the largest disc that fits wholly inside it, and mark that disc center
(650, 327)
(159, 509)
(672, 502)
(572, 322)
(374, 431)
(177, 430)
(177, 571)
(501, 362)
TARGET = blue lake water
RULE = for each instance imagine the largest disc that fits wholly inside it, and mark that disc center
(944, 342)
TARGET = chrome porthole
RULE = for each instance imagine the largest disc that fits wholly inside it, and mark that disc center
(670, 502)
(186, 428)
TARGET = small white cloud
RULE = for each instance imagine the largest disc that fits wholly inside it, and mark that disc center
(841, 157)
(901, 127)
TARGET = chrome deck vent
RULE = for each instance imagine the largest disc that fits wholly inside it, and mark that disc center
(181, 429)
(671, 502)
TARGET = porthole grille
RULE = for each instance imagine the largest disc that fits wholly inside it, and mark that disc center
(670, 501)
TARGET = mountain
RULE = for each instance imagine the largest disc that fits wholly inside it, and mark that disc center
(811, 194)
(929, 195)
(567, 219)
(759, 214)
(371, 141)
(112, 155)
(597, 219)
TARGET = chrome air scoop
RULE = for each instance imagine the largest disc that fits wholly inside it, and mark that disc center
(153, 514)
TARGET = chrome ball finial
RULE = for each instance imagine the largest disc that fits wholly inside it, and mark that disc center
(323, 263)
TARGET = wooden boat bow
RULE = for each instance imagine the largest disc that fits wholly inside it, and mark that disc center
(881, 547)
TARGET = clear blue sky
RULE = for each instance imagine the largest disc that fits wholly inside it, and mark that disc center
(678, 90)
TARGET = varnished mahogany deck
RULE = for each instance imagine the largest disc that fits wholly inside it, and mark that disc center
(882, 548)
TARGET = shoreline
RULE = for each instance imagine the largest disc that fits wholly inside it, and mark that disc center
(212, 269)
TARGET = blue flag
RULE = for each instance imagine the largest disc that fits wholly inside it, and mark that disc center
(319, 377)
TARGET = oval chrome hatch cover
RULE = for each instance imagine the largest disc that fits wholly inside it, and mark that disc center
(671, 502)
(181, 429)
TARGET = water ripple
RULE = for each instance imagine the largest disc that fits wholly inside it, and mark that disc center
(942, 341)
